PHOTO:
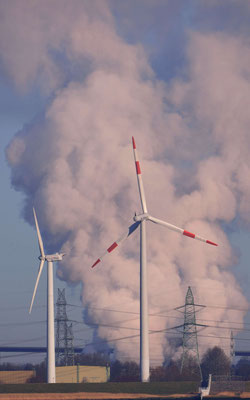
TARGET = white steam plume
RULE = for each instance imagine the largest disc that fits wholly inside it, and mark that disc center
(75, 163)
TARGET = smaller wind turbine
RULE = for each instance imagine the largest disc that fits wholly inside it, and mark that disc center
(50, 258)
(140, 220)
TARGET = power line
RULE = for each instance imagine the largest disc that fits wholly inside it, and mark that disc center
(132, 312)
(92, 325)
(130, 328)
(18, 308)
(159, 314)
(18, 355)
(172, 317)
(173, 336)
(23, 341)
(228, 308)
(21, 323)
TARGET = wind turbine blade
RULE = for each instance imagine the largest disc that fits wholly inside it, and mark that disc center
(130, 230)
(139, 179)
(37, 280)
(180, 230)
(40, 241)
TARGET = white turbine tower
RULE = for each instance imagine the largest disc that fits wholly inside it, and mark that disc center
(50, 258)
(141, 220)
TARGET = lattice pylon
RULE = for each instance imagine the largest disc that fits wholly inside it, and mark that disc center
(232, 348)
(64, 334)
(190, 341)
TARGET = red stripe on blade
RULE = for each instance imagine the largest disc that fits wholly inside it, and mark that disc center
(96, 263)
(189, 234)
(212, 243)
(112, 247)
(138, 169)
(133, 141)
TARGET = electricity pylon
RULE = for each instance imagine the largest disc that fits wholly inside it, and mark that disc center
(64, 334)
(190, 341)
(232, 350)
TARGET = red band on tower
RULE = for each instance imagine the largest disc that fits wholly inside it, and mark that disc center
(133, 141)
(189, 234)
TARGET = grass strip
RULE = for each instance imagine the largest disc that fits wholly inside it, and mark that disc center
(156, 388)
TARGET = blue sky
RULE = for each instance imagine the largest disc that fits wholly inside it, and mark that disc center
(20, 248)
(171, 37)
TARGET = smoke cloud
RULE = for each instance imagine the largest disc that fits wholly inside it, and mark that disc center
(74, 162)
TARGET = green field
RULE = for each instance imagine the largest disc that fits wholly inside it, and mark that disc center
(156, 388)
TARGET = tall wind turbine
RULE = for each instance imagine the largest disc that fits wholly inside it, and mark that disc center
(140, 220)
(50, 258)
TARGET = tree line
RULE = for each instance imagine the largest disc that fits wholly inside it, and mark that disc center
(214, 362)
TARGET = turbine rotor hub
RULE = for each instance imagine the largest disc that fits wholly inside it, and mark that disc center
(141, 217)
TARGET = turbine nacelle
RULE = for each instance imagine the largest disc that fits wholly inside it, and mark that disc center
(54, 257)
(141, 217)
